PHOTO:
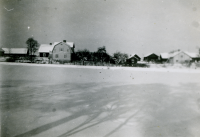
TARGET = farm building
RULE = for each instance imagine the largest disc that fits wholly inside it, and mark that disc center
(133, 59)
(45, 49)
(62, 51)
(136, 56)
(179, 57)
(151, 57)
(194, 56)
(15, 51)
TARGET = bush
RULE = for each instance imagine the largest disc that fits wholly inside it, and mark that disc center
(12, 59)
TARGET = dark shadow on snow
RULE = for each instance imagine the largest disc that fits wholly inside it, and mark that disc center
(166, 112)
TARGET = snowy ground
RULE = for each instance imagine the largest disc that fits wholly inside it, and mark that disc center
(59, 101)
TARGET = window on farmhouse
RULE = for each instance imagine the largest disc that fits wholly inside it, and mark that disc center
(56, 56)
(65, 56)
(61, 49)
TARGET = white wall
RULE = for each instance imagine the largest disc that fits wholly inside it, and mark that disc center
(180, 58)
(61, 54)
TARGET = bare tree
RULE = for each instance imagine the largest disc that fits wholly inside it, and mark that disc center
(32, 46)
(120, 57)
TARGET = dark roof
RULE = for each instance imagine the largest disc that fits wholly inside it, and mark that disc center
(149, 54)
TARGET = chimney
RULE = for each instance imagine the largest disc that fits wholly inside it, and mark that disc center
(50, 43)
(64, 41)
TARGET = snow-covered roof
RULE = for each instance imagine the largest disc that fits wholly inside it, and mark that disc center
(170, 55)
(149, 54)
(55, 43)
(15, 50)
(48, 47)
(45, 48)
(71, 44)
(164, 55)
(192, 55)
(131, 55)
(134, 55)
(174, 53)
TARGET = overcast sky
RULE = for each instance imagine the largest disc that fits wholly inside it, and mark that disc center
(129, 26)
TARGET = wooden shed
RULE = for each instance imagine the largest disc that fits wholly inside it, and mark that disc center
(151, 57)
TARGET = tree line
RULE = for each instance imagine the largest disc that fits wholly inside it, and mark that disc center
(100, 57)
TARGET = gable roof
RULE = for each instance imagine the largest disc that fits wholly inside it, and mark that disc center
(170, 55)
(45, 48)
(135, 56)
(15, 50)
(150, 54)
(174, 53)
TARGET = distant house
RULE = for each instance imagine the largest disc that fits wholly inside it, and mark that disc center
(151, 57)
(133, 59)
(15, 51)
(62, 51)
(179, 57)
(136, 56)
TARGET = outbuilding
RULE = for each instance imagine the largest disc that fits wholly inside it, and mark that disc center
(15, 51)
(45, 49)
(133, 59)
(151, 57)
(179, 57)
(164, 57)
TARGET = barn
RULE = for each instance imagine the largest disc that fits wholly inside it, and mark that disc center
(63, 51)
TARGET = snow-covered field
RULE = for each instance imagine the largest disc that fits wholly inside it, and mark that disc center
(60, 100)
